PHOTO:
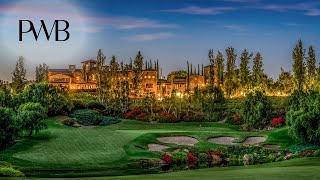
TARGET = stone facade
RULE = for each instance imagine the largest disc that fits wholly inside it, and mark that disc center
(85, 79)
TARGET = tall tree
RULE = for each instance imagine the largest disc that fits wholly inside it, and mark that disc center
(42, 71)
(33, 117)
(137, 78)
(244, 70)
(101, 76)
(311, 67)
(298, 67)
(231, 66)
(19, 76)
(211, 67)
(114, 77)
(285, 82)
(219, 64)
(257, 70)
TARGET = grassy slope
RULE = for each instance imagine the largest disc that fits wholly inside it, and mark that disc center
(306, 168)
(62, 148)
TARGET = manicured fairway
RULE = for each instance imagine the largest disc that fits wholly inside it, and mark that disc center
(61, 148)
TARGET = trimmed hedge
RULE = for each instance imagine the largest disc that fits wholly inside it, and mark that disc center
(87, 117)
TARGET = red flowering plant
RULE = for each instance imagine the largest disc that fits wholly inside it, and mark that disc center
(167, 118)
(167, 158)
(191, 160)
(132, 113)
(208, 153)
(278, 121)
(142, 117)
(217, 153)
(191, 157)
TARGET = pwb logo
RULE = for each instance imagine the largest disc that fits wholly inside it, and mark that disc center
(43, 26)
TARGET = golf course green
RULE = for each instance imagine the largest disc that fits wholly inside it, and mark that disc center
(63, 151)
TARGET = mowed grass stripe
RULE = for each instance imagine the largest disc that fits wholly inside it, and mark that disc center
(79, 146)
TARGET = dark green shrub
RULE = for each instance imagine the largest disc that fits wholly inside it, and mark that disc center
(256, 110)
(303, 147)
(203, 157)
(303, 117)
(179, 158)
(106, 121)
(86, 117)
(280, 158)
(271, 158)
(89, 117)
(9, 127)
(10, 172)
(234, 160)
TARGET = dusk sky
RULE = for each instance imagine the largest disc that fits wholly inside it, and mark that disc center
(172, 31)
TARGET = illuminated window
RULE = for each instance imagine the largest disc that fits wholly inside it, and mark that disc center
(149, 77)
(149, 85)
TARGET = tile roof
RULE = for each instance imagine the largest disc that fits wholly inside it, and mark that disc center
(89, 61)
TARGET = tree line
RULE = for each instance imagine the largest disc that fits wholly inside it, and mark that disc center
(237, 80)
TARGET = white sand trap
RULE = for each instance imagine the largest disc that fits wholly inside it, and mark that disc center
(254, 140)
(222, 140)
(179, 140)
(157, 147)
(271, 146)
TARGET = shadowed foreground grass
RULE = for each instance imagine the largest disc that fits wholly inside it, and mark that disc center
(306, 168)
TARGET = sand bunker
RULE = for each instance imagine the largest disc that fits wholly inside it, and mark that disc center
(271, 146)
(156, 147)
(253, 140)
(179, 140)
(222, 140)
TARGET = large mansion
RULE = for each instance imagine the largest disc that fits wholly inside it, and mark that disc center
(153, 82)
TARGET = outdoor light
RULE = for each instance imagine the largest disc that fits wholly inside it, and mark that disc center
(179, 95)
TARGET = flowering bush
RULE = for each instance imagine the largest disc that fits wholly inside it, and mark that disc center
(132, 113)
(142, 117)
(167, 158)
(277, 122)
(166, 117)
(191, 158)
(217, 153)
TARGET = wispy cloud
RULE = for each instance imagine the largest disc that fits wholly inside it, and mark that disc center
(96, 23)
(292, 24)
(237, 28)
(199, 10)
(313, 12)
(89, 29)
(308, 8)
(150, 37)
